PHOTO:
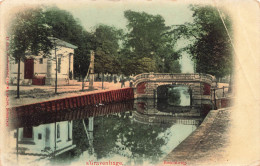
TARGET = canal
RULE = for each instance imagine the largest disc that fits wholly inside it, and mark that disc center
(134, 132)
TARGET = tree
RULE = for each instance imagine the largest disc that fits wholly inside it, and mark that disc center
(173, 66)
(211, 47)
(29, 36)
(106, 46)
(64, 25)
(82, 60)
(148, 37)
(67, 28)
(146, 64)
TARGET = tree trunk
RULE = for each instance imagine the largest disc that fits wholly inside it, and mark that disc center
(18, 78)
(82, 82)
(103, 80)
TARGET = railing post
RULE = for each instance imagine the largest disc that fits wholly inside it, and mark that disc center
(215, 101)
(223, 91)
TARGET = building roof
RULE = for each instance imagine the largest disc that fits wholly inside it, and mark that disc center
(62, 43)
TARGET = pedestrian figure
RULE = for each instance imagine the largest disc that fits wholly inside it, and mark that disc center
(122, 82)
(131, 83)
(110, 77)
(115, 79)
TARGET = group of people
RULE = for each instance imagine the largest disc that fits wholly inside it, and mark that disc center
(123, 79)
(116, 78)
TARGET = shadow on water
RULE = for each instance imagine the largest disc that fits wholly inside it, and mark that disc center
(133, 132)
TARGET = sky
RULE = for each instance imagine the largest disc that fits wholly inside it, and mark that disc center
(112, 13)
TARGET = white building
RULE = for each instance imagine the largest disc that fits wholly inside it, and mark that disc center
(35, 69)
(41, 141)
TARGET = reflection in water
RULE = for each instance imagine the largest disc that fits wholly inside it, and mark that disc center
(139, 134)
(185, 96)
(41, 142)
(120, 138)
(173, 96)
(176, 134)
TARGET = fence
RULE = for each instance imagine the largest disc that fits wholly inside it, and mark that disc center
(75, 114)
(220, 98)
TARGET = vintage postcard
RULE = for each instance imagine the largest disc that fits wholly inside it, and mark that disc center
(132, 83)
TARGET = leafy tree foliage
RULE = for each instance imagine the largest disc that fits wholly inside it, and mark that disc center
(82, 54)
(29, 36)
(104, 41)
(106, 46)
(148, 37)
(172, 66)
(211, 48)
(146, 65)
(67, 28)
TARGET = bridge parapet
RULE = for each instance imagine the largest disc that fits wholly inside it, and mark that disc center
(174, 77)
(144, 84)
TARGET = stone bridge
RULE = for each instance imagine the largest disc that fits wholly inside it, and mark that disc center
(145, 85)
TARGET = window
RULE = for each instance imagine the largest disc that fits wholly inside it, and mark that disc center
(59, 62)
(27, 132)
(41, 60)
(39, 136)
(58, 130)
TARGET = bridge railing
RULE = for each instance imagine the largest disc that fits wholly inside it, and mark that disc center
(143, 75)
(179, 76)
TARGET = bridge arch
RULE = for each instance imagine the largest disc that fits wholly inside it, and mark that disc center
(175, 95)
(146, 84)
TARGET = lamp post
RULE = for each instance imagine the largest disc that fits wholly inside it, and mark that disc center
(53, 39)
(18, 79)
(56, 71)
(91, 75)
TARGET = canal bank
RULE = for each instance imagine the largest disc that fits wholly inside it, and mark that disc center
(208, 144)
(70, 103)
(227, 136)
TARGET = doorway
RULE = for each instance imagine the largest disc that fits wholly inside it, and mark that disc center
(28, 68)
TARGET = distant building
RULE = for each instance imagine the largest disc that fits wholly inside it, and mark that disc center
(40, 140)
(40, 70)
